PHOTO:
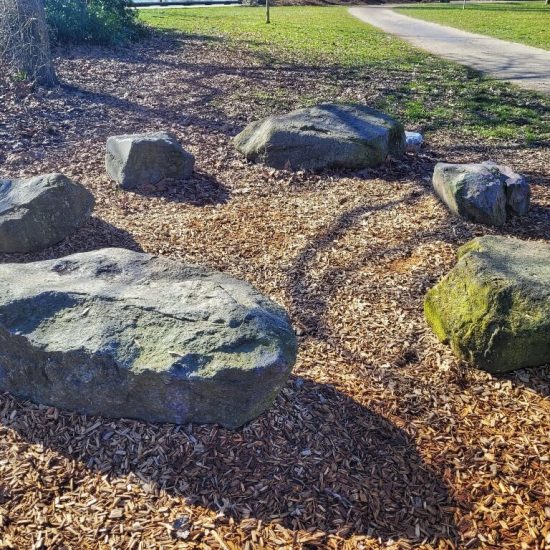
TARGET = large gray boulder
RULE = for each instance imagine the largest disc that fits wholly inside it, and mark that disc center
(126, 334)
(146, 159)
(325, 136)
(493, 307)
(38, 212)
(485, 193)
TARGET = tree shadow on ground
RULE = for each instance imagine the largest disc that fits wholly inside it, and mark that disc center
(166, 51)
(200, 189)
(309, 308)
(163, 39)
(311, 290)
(143, 115)
(535, 225)
(94, 234)
(317, 461)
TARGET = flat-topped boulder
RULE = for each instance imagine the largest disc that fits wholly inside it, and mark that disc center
(324, 136)
(493, 307)
(135, 160)
(41, 211)
(485, 193)
(126, 334)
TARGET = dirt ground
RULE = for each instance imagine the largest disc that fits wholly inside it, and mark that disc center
(381, 439)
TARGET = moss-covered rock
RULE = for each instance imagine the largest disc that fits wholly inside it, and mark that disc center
(493, 307)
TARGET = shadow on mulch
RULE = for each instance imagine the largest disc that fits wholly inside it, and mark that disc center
(215, 120)
(536, 379)
(310, 303)
(309, 307)
(201, 189)
(317, 461)
(165, 40)
(94, 234)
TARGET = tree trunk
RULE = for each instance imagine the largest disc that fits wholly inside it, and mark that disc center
(24, 41)
(267, 18)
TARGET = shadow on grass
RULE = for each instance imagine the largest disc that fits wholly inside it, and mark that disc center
(481, 106)
(317, 461)
(480, 102)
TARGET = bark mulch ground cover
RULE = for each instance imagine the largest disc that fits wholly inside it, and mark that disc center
(381, 439)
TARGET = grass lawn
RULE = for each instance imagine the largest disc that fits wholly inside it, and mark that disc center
(525, 22)
(423, 90)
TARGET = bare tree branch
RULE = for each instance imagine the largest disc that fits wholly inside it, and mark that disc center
(24, 41)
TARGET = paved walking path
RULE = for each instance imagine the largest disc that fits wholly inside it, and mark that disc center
(523, 65)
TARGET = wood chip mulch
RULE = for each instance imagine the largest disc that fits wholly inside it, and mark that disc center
(381, 439)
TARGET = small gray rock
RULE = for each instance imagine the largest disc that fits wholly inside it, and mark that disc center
(325, 136)
(484, 193)
(413, 142)
(146, 159)
(38, 212)
(518, 193)
(125, 334)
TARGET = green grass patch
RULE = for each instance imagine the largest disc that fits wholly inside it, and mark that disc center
(315, 33)
(525, 22)
(383, 71)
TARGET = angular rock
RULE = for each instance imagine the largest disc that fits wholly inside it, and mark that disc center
(325, 136)
(493, 307)
(146, 159)
(38, 212)
(125, 334)
(485, 193)
(518, 192)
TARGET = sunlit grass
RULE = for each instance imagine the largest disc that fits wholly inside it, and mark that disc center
(420, 88)
(525, 22)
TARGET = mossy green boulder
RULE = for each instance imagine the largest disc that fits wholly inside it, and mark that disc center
(493, 307)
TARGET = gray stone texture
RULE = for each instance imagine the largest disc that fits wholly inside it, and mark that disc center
(126, 334)
(146, 159)
(38, 212)
(485, 193)
(324, 136)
